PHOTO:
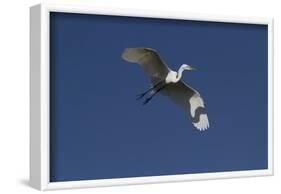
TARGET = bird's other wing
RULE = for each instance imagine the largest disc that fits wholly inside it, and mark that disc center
(149, 60)
(190, 100)
(198, 113)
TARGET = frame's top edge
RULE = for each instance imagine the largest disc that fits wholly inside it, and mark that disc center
(166, 14)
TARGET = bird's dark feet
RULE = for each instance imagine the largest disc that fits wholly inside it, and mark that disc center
(140, 96)
(146, 101)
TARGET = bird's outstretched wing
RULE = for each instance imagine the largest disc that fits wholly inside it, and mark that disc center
(190, 100)
(149, 60)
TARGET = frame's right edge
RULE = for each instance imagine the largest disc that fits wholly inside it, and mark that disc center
(270, 97)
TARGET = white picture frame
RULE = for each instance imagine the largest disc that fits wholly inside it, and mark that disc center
(39, 103)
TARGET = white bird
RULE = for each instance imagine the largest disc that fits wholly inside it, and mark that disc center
(169, 83)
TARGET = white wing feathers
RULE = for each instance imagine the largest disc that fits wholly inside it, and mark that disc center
(195, 102)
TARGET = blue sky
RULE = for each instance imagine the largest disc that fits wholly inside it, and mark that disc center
(99, 130)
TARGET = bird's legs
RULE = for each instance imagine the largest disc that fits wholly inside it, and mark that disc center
(150, 89)
(149, 98)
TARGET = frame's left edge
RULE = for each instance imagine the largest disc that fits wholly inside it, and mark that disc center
(35, 130)
(39, 100)
(45, 96)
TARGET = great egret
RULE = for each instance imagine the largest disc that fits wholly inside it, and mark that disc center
(168, 83)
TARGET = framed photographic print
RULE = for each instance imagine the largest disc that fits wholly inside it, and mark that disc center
(132, 97)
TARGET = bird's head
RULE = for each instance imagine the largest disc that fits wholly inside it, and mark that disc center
(187, 67)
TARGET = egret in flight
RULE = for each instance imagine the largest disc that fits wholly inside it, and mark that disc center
(168, 83)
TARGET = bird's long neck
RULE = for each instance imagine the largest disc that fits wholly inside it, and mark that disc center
(179, 75)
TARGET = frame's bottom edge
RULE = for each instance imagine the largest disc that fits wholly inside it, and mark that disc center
(156, 179)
